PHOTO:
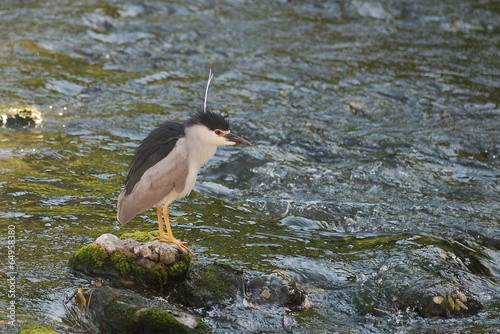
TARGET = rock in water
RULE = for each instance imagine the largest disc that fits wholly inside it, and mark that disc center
(125, 311)
(153, 262)
(443, 300)
(147, 254)
(20, 117)
(276, 288)
(209, 285)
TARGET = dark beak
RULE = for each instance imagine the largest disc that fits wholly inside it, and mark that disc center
(234, 138)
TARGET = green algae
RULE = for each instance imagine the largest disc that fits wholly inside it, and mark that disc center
(216, 282)
(159, 321)
(93, 259)
(140, 235)
(126, 266)
(207, 286)
(35, 329)
(126, 311)
(176, 271)
(123, 314)
(89, 256)
(202, 327)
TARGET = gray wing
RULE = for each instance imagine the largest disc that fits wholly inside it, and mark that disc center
(156, 146)
(155, 185)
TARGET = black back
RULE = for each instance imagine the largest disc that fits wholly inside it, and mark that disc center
(156, 146)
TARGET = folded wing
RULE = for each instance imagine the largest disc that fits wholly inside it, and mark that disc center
(160, 184)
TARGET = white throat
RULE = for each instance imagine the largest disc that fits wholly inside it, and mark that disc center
(201, 146)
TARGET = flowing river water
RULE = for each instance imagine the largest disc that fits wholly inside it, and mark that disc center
(375, 165)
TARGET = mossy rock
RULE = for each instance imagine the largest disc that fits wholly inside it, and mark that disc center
(440, 299)
(89, 258)
(125, 311)
(140, 235)
(93, 259)
(277, 288)
(20, 117)
(209, 285)
(35, 329)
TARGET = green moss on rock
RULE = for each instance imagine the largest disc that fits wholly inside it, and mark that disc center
(126, 266)
(215, 281)
(93, 259)
(140, 235)
(122, 316)
(36, 329)
(202, 327)
(89, 256)
(154, 320)
(126, 311)
(178, 269)
(208, 285)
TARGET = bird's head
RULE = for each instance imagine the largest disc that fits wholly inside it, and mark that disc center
(213, 128)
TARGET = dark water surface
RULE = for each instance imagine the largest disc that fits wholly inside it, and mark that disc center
(375, 165)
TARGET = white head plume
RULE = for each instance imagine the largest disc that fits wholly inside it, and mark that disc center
(210, 76)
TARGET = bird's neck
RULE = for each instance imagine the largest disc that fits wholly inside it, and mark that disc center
(200, 151)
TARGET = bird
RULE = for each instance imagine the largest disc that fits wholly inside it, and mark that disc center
(166, 163)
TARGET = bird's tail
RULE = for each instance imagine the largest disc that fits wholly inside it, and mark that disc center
(122, 214)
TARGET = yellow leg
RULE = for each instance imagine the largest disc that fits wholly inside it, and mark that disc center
(160, 223)
(169, 237)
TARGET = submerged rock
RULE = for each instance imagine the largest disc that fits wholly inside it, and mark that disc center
(276, 288)
(153, 262)
(164, 268)
(208, 285)
(431, 300)
(124, 311)
(220, 285)
(21, 117)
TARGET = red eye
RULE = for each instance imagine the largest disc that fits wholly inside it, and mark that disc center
(218, 132)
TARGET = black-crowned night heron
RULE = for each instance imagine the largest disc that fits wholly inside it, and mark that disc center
(166, 164)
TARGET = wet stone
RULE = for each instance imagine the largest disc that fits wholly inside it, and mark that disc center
(276, 288)
(208, 285)
(21, 118)
(151, 263)
(111, 310)
(163, 266)
(440, 301)
(147, 254)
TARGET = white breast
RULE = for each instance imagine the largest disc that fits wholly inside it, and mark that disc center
(197, 150)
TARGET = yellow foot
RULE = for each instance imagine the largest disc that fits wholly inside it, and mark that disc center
(180, 244)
